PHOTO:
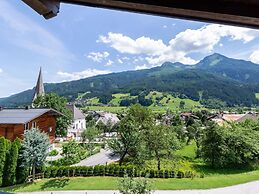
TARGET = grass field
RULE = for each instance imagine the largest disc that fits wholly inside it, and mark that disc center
(162, 103)
(113, 109)
(110, 183)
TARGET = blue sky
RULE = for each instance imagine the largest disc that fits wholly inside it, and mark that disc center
(82, 42)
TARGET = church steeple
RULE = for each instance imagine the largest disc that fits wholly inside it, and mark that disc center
(39, 89)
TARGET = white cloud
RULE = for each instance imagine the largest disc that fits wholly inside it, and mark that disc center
(65, 76)
(29, 35)
(1, 70)
(110, 62)
(254, 57)
(139, 67)
(120, 61)
(202, 40)
(98, 56)
(125, 44)
(164, 26)
(126, 58)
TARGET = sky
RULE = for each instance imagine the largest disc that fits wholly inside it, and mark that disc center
(82, 42)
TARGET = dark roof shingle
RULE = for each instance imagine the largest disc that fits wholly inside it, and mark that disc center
(22, 116)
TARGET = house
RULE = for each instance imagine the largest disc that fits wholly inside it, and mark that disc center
(13, 122)
(78, 124)
(106, 118)
(232, 117)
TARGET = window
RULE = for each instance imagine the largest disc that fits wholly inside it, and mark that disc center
(50, 129)
(34, 125)
(76, 126)
(27, 126)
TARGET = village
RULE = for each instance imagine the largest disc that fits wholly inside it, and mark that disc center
(92, 127)
(129, 97)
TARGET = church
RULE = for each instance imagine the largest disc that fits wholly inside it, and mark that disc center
(13, 122)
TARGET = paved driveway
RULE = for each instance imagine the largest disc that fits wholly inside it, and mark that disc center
(247, 188)
(101, 158)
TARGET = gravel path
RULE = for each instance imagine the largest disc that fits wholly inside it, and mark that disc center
(101, 158)
(247, 188)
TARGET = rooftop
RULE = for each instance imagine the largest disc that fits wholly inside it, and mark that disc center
(22, 116)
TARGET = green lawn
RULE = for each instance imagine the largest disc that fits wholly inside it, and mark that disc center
(257, 95)
(110, 183)
(213, 178)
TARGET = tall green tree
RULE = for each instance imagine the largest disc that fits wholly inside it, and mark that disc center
(22, 172)
(34, 148)
(89, 135)
(2, 157)
(229, 146)
(159, 139)
(130, 132)
(11, 164)
(58, 103)
(127, 141)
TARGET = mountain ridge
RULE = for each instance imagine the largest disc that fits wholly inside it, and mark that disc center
(231, 77)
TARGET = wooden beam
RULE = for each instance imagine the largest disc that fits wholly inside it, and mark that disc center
(234, 12)
(46, 8)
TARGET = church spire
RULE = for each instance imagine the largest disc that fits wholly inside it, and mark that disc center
(39, 89)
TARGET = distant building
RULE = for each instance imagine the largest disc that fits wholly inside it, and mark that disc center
(232, 117)
(13, 122)
(78, 124)
(106, 118)
(39, 89)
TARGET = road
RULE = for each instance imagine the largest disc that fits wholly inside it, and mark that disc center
(247, 188)
(102, 158)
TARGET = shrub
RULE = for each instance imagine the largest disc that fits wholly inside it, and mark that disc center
(53, 153)
(112, 170)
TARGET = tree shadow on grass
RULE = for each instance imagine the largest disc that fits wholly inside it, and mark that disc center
(55, 183)
(202, 168)
(14, 188)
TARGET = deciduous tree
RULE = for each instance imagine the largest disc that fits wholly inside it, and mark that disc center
(57, 103)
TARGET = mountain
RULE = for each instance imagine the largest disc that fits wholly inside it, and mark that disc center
(216, 77)
(240, 70)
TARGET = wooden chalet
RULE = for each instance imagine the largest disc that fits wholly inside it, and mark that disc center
(13, 122)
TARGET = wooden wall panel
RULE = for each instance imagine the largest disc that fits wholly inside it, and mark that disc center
(44, 123)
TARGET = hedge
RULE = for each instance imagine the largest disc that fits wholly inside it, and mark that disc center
(113, 170)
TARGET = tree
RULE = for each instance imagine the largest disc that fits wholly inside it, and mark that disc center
(89, 135)
(70, 149)
(181, 105)
(57, 103)
(34, 149)
(128, 185)
(158, 139)
(105, 98)
(127, 141)
(232, 145)
(2, 157)
(11, 163)
(130, 132)
(22, 171)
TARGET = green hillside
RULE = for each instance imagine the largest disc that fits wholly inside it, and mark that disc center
(214, 80)
(161, 103)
